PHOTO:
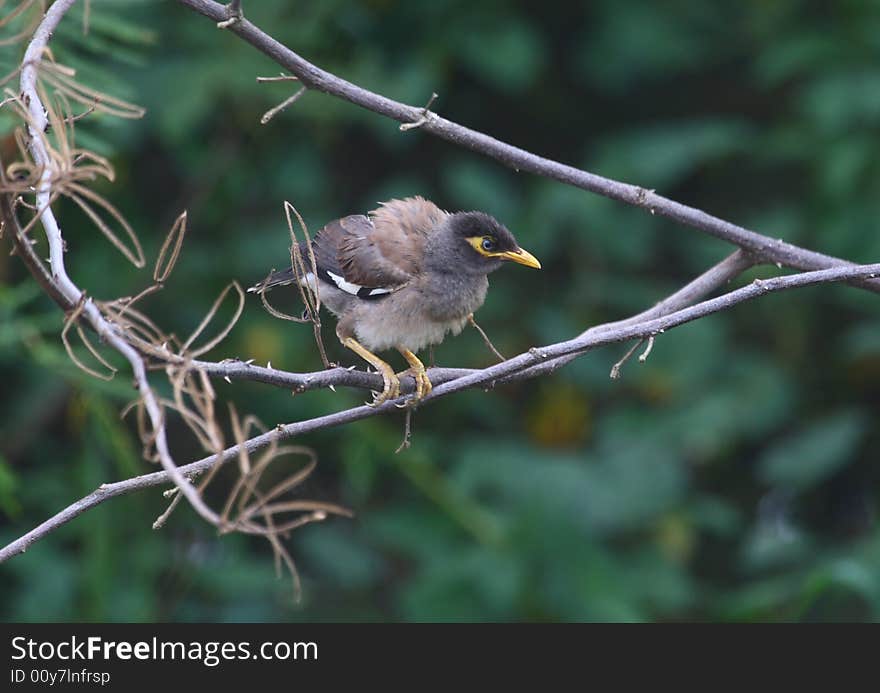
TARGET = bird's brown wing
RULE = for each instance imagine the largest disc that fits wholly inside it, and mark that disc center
(382, 250)
(347, 250)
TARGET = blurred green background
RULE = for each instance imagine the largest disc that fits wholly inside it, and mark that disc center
(733, 476)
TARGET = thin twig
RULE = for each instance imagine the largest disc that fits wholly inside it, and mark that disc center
(272, 112)
(426, 114)
(485, 337)
(279, 78)
(234, 15)
(163, 518)
(516, 365)
(615, 369)
(191, 383)
(764, 248)
(647, 352)
(37, 118)
(407, 432)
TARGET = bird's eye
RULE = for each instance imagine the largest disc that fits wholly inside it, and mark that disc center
(488, 244)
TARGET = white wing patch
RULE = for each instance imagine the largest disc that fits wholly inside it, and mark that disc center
(356, 289)
(346, 286)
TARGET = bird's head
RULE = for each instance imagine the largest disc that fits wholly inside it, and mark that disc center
(478, 243)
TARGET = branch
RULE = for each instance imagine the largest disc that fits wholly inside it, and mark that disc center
(298, 383)
(671, 312)
(24, 249)
(712, 279)
(235, 369)
(763, 247)
(64, 289)
(523, 365)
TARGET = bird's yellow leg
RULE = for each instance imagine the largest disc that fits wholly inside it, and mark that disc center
(392, 383)
(417, 368)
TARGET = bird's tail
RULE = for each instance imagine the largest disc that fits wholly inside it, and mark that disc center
(282, 278)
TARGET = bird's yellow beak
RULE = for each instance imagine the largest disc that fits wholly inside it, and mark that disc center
(520, 256)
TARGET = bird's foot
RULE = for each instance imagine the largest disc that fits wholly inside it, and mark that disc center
(391, 383)
(423, 382)
(420, 375)
(391, 389)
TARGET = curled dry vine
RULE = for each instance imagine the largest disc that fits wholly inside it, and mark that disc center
(51, 167)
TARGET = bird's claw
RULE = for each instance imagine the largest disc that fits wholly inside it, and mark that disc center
(422, 383)
(390, 391)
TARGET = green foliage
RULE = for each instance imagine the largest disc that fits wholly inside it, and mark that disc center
(812, 455)
(732, 476)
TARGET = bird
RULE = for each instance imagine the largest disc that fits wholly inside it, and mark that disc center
(402, 277)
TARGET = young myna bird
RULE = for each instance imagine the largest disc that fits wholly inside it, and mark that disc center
(403, 277)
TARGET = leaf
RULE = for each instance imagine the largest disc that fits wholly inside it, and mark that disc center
(508, 54)
(661, 155)
(842, 100)
(480, 185)
(338, 554)
(623, 486)
(815, 452)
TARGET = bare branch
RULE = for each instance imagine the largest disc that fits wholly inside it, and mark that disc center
(53, 168)
(519, 367)
(766, 249)
(62, 169)
(233, 369)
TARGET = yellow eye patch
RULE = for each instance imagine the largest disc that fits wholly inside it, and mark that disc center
(487, 246)
(484, 245)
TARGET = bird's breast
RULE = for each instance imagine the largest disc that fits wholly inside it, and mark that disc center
(454, 296)
(420, 316)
